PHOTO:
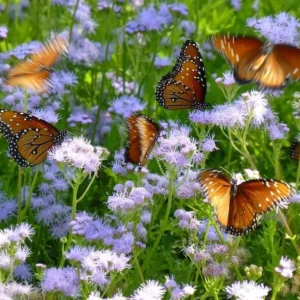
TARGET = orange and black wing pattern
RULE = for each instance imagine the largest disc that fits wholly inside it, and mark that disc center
(238, 205)
(34, 73)
(142, 134)
(185, 86)
(29, 137)
(268, 65)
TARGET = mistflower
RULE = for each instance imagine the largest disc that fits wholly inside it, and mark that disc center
(156, 184)
(208, 144)
(227, 79)
(276, 130)
(3, 32)
(179, 7)
(48, 115)
(242, 290)
(279, 29)
(151, 290)
(237, 5)
(286, 267)
(7, 210)
(23, 272)
(78, 152)
(188, 27)
(63, 280)
(77, 254)
(214, 269)
(150, 19)
(161, 62)
(125, 106)
(187, 186)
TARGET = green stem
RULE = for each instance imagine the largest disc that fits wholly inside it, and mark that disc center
(73, 21)
(88, 187)
(20, 194)
(288, 230)
(138, 266)
(164, 224)
(74, 206)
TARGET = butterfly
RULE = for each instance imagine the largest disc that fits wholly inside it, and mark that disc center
(267, 64)
(238, 205)
(142, 135)
(29, 137)
(34, 73)
(185, 86)
(295, 148)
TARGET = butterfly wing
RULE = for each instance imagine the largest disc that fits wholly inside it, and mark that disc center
(216, 189)
(29, 137)
(255, 197)
(33, 73)
(295, 149)
(142, 135)
(184, 87)
(289, 59)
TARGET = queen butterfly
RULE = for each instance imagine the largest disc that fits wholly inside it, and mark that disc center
(267, 64)
(238, 205)
(295, 148)
(185, 86)
(142, 135)
(34, 73)
(29, 137)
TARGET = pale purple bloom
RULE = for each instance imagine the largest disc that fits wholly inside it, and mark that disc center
(23, 50)
(23, 272)
(3, 32)
(79, 153)
(176, 291)
(188, 27)
(237, 5)
(80, 116)
(214, 269)
(208, 144)
(120, 86)
(7, 209)
(146, 217)
(5, 260)
(212, 234)
(13, 289)
(46, 114)
(179, 7)
(242, 290)
(227, 79)
(187, 219)
(286, 267)
(124, 243)
(63, 280)
(161, 62)
(279, 29)
(151, 290)
(125, 106)
(22, 254)
(141, 231)
(156, 184)
(277, 131)
(150, 19)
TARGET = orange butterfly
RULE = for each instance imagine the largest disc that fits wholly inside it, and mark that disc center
(185, 86)
(29, 137)
(238, 205)
(34, 73)
(269, 65)
(142, 135)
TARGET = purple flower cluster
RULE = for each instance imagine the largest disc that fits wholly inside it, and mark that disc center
(120, 86)
(79, 153)
(176, 291)
(3, 32)
(176, 147)
(156, 184)
(150, 19)
(282, 28)
(125, 106)
(187, 186)
(128, 199)
(187, 220)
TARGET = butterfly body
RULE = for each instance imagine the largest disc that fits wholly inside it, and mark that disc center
(29, 137)
(267, 64)
(295, 149)
(238, 206)
(34, 73)
(185, 86)
(142, 135)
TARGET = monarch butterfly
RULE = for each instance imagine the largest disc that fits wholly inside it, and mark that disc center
(29, 137)
(295, 148)
(142, 135)
(269, 65)
(238, 205)
(185, 86)
(34, 73)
